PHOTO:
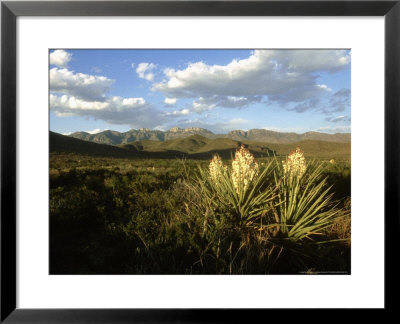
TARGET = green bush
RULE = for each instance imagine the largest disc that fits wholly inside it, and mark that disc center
(128, 216)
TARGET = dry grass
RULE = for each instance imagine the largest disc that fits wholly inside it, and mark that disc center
(341, 227)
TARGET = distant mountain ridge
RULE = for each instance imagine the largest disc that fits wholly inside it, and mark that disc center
(142, 134)
(259, 135)
(193, 146)
(268, 136)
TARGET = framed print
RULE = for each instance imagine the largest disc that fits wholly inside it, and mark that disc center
(161, 159)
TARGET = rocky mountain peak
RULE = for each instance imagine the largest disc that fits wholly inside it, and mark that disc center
(175, 129)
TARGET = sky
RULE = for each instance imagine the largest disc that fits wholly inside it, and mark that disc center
(220, 90)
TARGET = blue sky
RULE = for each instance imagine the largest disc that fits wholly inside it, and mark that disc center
(220, 90)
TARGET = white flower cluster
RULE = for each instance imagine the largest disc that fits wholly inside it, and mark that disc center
(295, 166)
(217, 168)
(244, 168)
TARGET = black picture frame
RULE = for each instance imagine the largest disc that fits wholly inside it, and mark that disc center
(10, 10)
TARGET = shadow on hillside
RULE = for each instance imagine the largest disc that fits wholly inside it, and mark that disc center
(229, 153)
(64, 144)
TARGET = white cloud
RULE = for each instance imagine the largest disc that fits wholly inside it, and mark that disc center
(149, 76)
(66, 102)
(170, 101)
(160, 128)
(144, 71)
(79, 94)
(133, 65)
(181, 112)
(79, 85)
(323, 86)
(135, 112)
(70, 104)
(202, 105)
(67, 133)
(60, 58)
(283, 76)
(234, 102)
(96, 131)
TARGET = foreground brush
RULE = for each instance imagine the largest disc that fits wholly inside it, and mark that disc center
(267, 211)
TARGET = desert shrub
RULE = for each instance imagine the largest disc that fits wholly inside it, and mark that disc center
(244, 205)
(238, 195)
(120, 216)
(305, 204)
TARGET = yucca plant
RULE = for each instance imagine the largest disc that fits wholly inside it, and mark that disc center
(240, 195)
(304, 201)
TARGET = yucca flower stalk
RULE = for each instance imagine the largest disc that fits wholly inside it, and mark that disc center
(241, 194)
(295, 165)
(217, 169)
(305, 205)
(244, 169)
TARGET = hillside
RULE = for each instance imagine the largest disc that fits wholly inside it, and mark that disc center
(195, 146)
(258, 135)
(314, 148)
(187, 144)
(142, 134)
(198, 147)
(67, 145)
(64, 144)
(267, 136)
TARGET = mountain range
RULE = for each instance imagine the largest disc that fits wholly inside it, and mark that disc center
(194, 146)
(258, 135)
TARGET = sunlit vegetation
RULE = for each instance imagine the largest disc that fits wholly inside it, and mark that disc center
(233, 215)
